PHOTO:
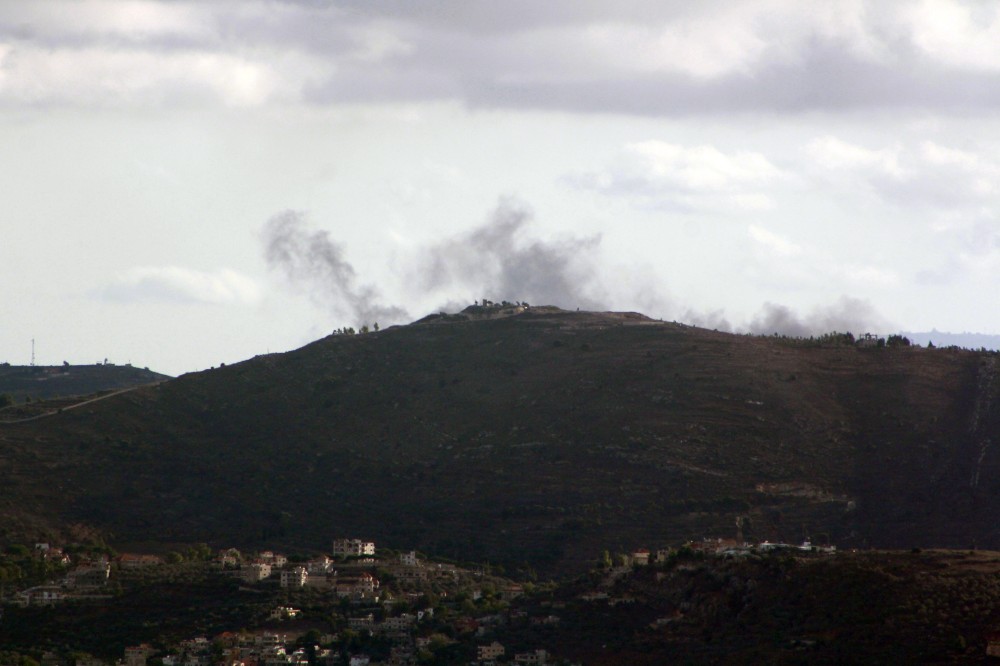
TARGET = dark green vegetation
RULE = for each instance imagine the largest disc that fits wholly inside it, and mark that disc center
(166, 603)
(854, 608)
(535, 441)
(872, 607)
(19, 383)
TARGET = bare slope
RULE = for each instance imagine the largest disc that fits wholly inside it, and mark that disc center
(536, 439)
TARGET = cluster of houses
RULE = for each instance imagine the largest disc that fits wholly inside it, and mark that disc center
(490, 655)
(349, 574)
(85, 580)
(266, 648)
(726, 548)
(260, 649)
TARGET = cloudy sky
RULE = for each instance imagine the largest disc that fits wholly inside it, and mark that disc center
(189, 183)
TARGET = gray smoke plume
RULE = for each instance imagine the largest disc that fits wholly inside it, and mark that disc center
(498, 261)
(312, 259)
(848, 314)
(713, 319)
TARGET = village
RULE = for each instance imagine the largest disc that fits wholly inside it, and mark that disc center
(382, 607)
(390, 608)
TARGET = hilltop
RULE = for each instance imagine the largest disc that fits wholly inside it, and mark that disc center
(34, 382)
(532, 437)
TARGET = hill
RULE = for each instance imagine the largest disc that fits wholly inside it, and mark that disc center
(34, 382)
(531, 437)
(871, 607)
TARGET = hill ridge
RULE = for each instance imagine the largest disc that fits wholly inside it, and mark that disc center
(536, 440)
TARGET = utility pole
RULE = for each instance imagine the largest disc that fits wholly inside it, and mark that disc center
(32, 352)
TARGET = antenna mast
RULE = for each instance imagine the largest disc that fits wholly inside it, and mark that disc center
(32, 352)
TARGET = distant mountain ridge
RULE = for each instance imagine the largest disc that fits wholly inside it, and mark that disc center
(963, 340)
(55, 381)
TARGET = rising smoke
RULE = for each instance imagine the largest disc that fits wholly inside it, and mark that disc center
(846, 315)
(311, 259)
(500, 261)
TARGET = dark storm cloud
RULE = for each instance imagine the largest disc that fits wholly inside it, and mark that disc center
(500, 261)
(313, 262)
(508, 69)
(637, 57)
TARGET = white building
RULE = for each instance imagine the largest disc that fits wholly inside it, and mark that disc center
(320, 565)
(362, 623)
(408, 559)
(293, 578)
(353, 548)
(399, 624)
(363, 584)
(254, 572)
(43, 595)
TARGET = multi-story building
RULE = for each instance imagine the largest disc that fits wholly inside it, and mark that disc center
(353, 548)
(254, 572)
(295, 577)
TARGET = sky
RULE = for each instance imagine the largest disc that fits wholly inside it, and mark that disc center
(185, 184)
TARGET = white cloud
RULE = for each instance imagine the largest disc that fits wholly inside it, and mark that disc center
(175, 284)
(865, 276)
(773, 242)
(96, 76)
(700, 167)
(662, 174)
(119, 19)
(979, 175)
(960, 34)
(702, 47)
(927, 174)
(829, 152)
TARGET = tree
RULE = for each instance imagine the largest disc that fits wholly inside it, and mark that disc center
(897, 341)
(6, 400)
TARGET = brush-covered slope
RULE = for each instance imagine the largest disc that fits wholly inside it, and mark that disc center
(538, 438)
(52, 381)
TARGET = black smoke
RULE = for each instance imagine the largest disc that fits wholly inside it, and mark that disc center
(311, 259)
(848, 314)
(501, 261)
